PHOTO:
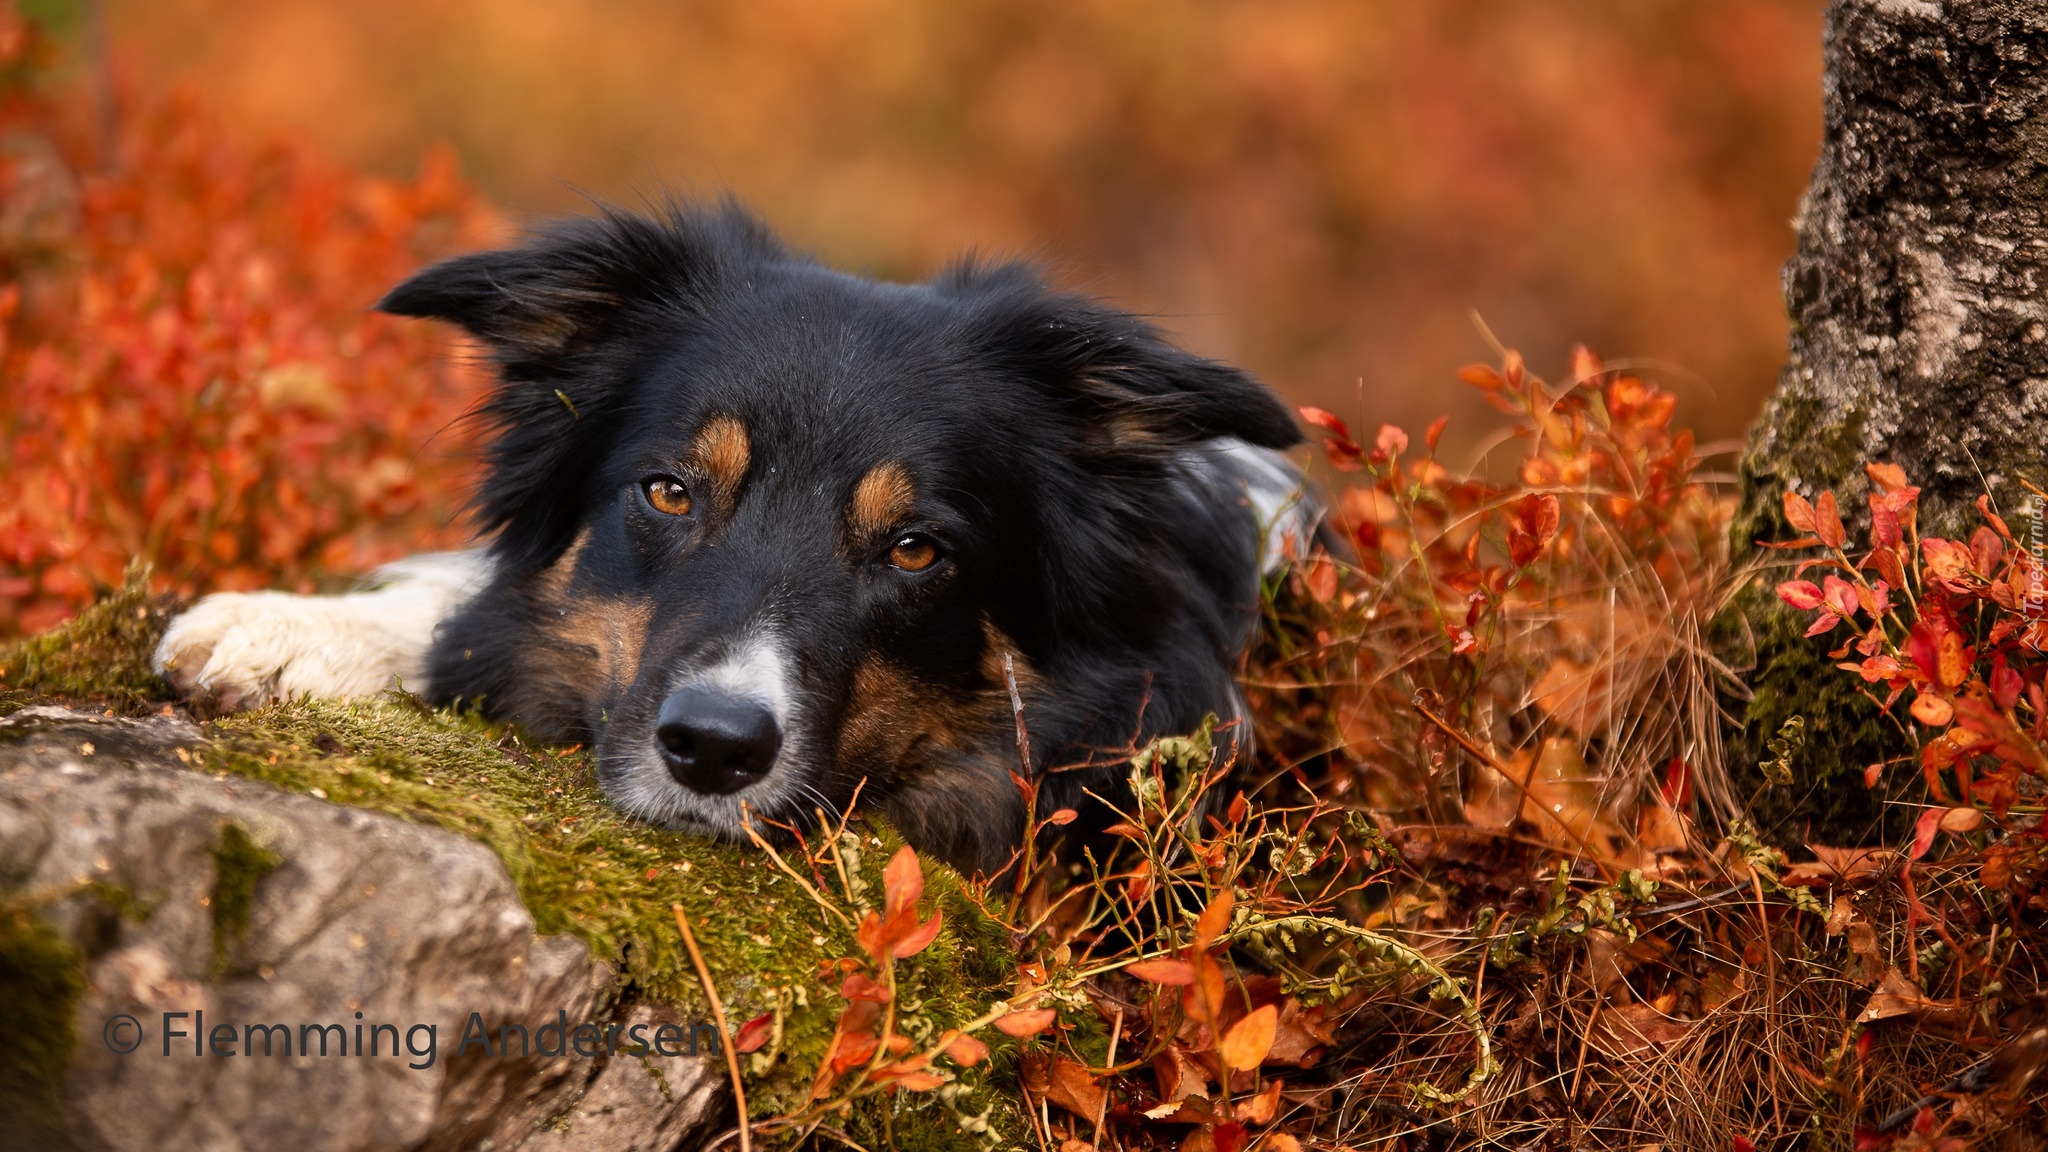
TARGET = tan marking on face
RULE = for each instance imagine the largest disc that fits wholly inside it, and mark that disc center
(723, 451)
(880, 501)
(554, 583)
(893, 719)
(595, 642)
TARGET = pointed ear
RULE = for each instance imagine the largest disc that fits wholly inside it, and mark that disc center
(560, 317)
(1120, 374)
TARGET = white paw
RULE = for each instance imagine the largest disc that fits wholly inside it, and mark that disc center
(249, 648)
(245, 649)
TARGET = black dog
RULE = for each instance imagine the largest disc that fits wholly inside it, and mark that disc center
(764, 530)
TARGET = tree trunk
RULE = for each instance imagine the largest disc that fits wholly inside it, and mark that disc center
(1919, 308)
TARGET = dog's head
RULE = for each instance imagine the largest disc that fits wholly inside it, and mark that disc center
(765, 530)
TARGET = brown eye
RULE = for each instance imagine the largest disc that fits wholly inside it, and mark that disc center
(667, 494)
(914, 553)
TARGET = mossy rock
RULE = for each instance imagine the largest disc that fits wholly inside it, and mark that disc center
(579, 866)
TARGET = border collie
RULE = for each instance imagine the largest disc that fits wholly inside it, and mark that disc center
(761, 530)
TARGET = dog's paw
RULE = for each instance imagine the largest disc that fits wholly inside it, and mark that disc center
(245, 649)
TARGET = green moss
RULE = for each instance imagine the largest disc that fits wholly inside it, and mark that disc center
(102, 655)
(1826, 803)
(41, 978)
(239, 864)
(578, 865)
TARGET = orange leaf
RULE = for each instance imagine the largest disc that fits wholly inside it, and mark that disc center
(1026, 1023)
(919, 939)
(964, 1049)
(1798, 513)
(1245, 1046)
(1063, 816)
(1214, 919)
(1887, 477)
(1932, 710)
(902, 882)
(1177, 973)
(1321, 578)
(1827, 522)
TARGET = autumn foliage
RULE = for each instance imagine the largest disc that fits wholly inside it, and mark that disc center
(1951, 633)
(192, 375)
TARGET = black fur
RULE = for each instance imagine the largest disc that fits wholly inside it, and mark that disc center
(1056, 446)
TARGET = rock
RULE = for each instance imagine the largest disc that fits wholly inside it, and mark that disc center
(189, 893)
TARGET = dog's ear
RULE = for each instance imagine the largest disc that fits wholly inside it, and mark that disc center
(1122, 375)
(558, 317)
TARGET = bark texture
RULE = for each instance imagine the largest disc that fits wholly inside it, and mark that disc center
(1919, 333)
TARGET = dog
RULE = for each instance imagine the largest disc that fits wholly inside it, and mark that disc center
(764, 532)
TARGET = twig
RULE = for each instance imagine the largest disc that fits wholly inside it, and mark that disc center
(747, 825)
(725, 1035)
(1116, 1032)
(1488, 758)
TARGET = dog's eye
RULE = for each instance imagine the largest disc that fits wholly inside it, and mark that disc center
(914, 553)
(667, 494)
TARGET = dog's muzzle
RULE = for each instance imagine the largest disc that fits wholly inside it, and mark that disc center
(716, 743)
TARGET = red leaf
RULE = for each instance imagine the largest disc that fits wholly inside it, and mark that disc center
(1924, 830)
(1534, 524)
(1804, 595)
(1677, 787)
(754, 1033)
(1326, 420)
(1391, 440)
(1996, 521)
(1435, 432)
(1062, 817)
(862, 987)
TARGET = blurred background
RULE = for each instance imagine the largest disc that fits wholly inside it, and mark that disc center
(1320, 190)
(199, 199)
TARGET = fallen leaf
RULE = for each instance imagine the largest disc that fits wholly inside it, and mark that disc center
(1262, 1107)
(1633, 1029)
(1846, 866)
(1064, 1082)
(1178, 1075)
(1897, 996)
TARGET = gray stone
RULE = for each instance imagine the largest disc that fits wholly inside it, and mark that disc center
(354, 918)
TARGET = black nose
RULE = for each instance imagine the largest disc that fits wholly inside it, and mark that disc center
(716, 743)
